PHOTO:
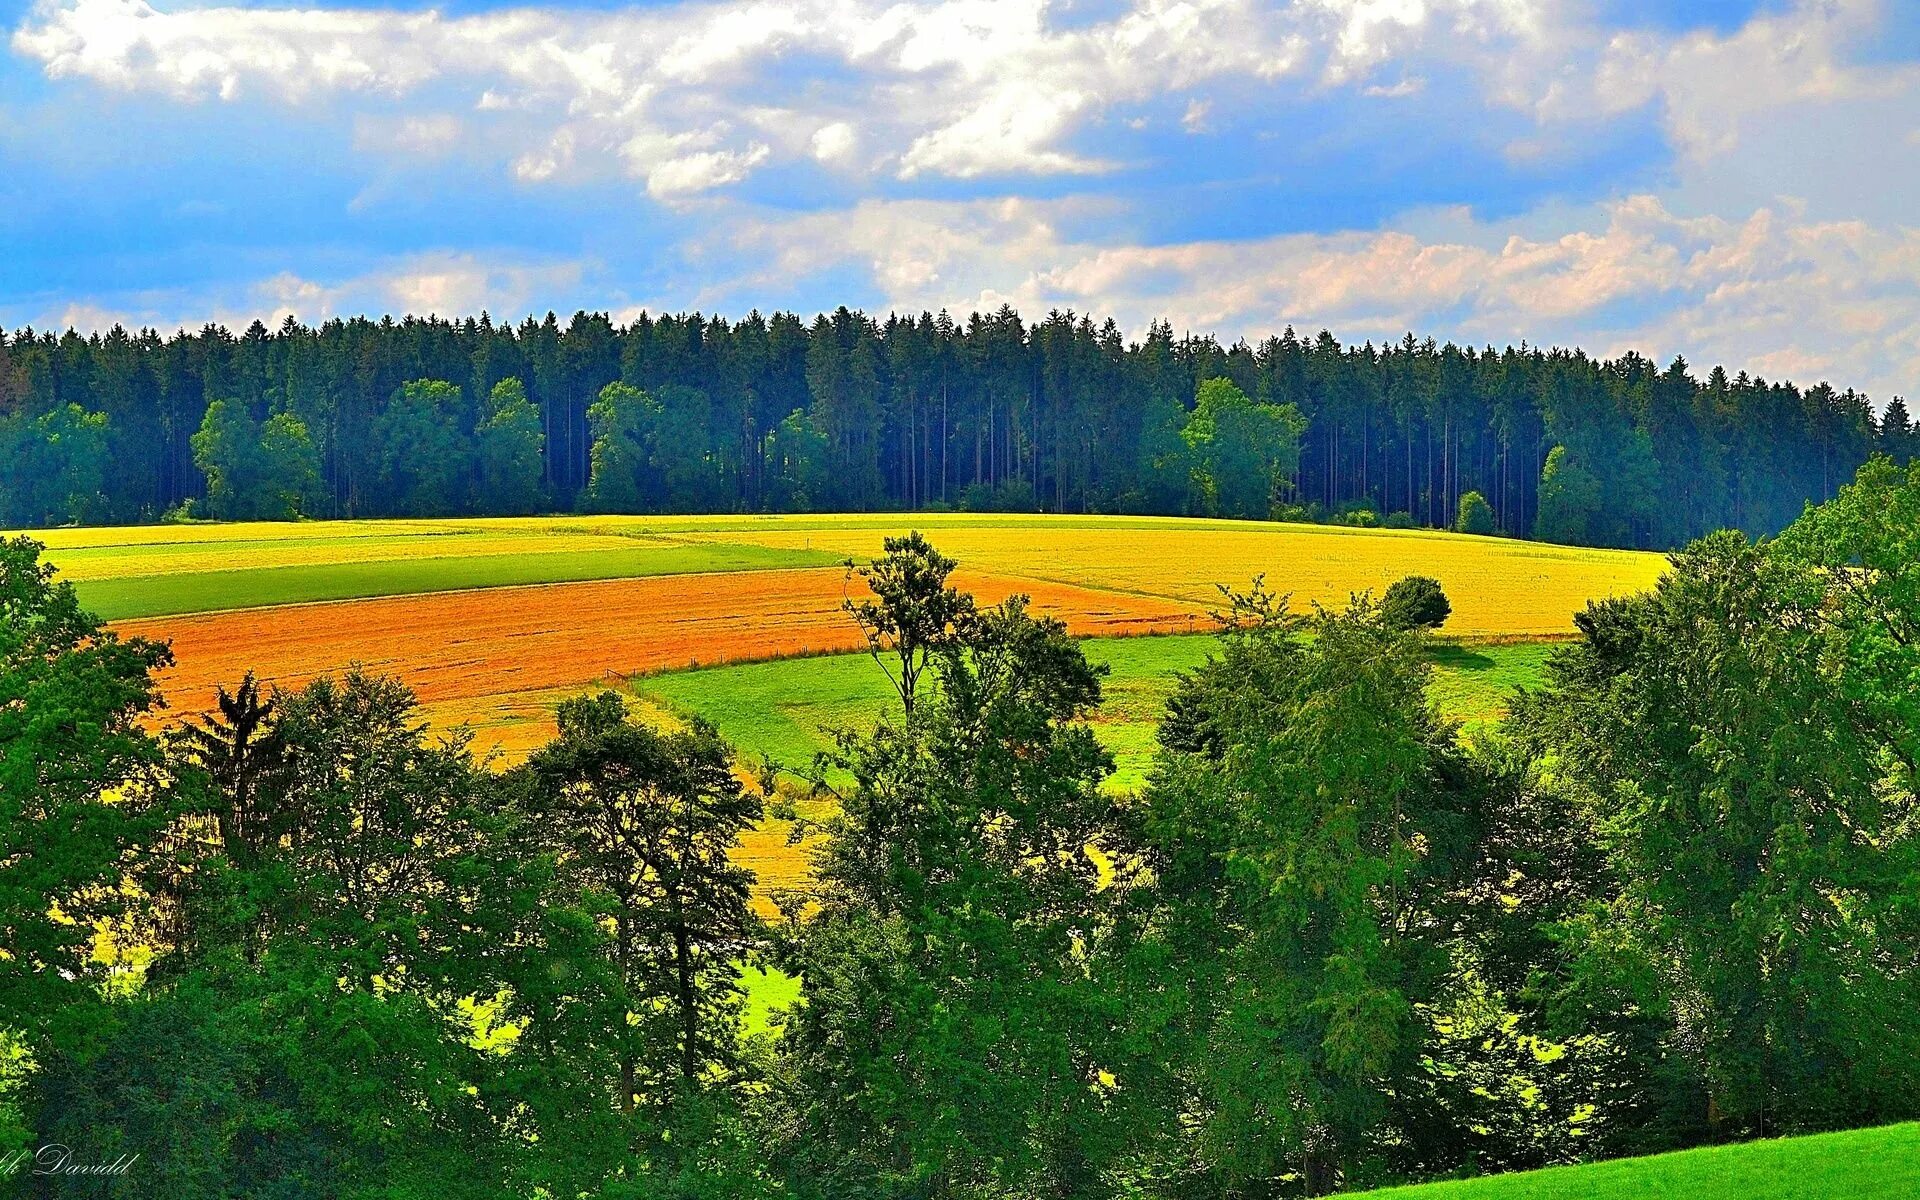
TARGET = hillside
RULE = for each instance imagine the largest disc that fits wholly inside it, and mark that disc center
(1860, 1164)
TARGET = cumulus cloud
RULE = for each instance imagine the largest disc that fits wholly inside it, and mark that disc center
(941, 88)
(1772, 292)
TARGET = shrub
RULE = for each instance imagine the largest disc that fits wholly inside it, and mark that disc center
(1476, 515)
(1416, 602)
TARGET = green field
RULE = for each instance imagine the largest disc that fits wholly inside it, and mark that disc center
(121, 597)
(785, 710)
(1861, 1164)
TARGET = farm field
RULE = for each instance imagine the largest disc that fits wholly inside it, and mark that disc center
(476, 655)
(1861, 1164)
(785, 710)
(491, 621)
(1500, 588)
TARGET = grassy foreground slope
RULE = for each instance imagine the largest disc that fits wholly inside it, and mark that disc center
(1861, 1164)
(1499, 587)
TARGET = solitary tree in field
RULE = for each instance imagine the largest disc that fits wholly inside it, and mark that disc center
(1415, 602)
(913, 613)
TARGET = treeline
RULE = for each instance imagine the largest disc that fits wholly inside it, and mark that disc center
(306, 948)
(358, 418)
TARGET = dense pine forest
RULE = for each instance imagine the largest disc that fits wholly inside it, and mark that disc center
(689, 413)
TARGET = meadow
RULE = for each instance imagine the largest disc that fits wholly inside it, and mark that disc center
(787, 710)
(1860, 1164)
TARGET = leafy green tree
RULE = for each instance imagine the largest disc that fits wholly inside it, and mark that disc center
(56, 466)
(623, 422)
(78, 779)
(798, 459)
(1752, 784)
(645, 822)
(1415, 602)
(509, 443)
(961, 1029)
(1295, 824)
(318, 966)
(425, 459)
(1475, 515)
(913, 614)
(255, 472)
(1242, 451)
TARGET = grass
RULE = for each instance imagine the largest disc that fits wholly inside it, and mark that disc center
(124, 597)
(1861, 1164)
(785, 710)
(1499, 587)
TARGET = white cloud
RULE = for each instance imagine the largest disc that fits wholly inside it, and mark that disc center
(456, 284)
(1773, 292)
(703, 171)
(834, 142)
(957, 88)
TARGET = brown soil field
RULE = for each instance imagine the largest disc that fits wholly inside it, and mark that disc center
(468, 654)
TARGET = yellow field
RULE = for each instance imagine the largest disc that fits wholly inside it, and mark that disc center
(1499, 588)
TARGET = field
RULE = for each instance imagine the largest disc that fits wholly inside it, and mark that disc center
(1500, 588)
(785, 710)
(1862, 1164)
(476, 655)
(492, 620)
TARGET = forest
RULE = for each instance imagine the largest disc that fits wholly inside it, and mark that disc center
(686, 413)
(305, 947)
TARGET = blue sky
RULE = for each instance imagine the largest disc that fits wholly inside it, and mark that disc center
(1723, 179)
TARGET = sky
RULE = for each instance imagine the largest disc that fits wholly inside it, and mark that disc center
(1724, 180)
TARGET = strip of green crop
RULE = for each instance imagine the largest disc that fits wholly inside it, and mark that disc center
(214, 591)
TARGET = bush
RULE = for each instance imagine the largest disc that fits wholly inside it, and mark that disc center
(1416, 602)
(1398, 520)
(1476, 515)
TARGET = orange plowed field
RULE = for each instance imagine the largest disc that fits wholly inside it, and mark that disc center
(468, 652)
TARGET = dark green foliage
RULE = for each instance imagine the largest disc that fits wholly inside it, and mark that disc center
(55, 467)
(1415, 602)
(1739, 742)
(1297, 826)
(964, 1020)
(774, 413)
(424, 450)
(1241, 452)
(255, 472)
(1474, 515)
(509, 445)
(624, 421)
(642, 823)
(78, 781)
(307, 948)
